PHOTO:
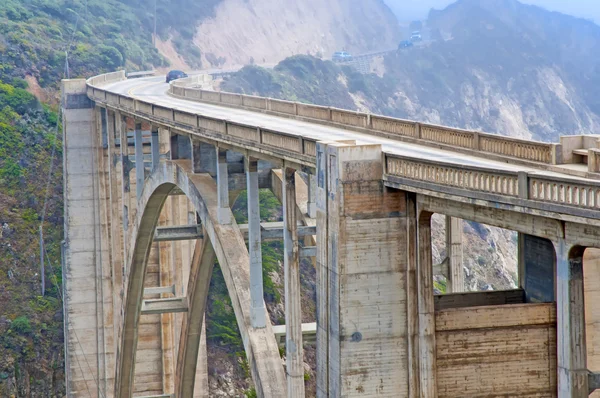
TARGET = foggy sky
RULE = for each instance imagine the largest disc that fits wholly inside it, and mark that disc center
(407, 10)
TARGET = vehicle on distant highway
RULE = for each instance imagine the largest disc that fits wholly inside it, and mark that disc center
(416, 36)
(175, 74)
(341, 56)
(405, 44)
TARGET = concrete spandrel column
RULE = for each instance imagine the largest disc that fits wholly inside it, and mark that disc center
(294, 352)
(140, 173)
(570, 322)
(312, 196)
(321, 275)
(257, 309)
(454, 250)
(121, 129)
(426, 309)
(224, 213)
(155, 148)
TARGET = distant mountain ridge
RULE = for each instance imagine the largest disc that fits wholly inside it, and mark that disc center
(493, 65)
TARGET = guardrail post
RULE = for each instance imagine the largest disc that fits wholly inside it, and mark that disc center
(556, 151)
(476, 140)
(523, 182)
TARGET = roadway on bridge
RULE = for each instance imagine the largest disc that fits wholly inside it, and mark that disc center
(154, 90)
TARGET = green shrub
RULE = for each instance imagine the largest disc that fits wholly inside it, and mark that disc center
(21, 325)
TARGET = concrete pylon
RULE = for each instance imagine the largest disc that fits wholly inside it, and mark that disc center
(353, 203)
(223, 187)
(454, 250)
(570, 322)
(294, 352)
(257, 311)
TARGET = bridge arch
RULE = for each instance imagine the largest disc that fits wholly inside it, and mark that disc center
(229, 248)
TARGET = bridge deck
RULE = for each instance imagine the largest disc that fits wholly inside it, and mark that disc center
(155, 90)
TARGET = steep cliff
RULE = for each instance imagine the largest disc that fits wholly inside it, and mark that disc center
(267, 31)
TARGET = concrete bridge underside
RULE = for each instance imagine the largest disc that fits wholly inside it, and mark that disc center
(146, 220)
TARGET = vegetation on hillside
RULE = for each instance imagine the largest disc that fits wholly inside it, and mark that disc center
(31, 337)
(300, 78)
(99, 35)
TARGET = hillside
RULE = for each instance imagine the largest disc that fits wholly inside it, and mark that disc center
(267, 31)
(497, 66)
(31, 336)
(101, 36)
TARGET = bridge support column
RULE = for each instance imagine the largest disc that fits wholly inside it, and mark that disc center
(570, 313)
(140, 171)
(257, 310)
(362, 279)
(454, 250)
(224, 213)
(82, 257)
(155, 147)
(426, 309)
(121, 128)
(312, 196)
(322, 274)
(294, 352)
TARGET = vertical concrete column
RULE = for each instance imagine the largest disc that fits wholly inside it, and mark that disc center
(312, 196)
(80, 251)
(121, 128)
(294, 352)
(570, 313)
(155, 148)
(322, 274)
(257, 305)
(140, 172)
(427, 354)
(116, 238)
(412, 302)
(367, 263)
(454, 250)
(224, 213)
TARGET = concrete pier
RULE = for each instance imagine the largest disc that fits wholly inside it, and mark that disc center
(294, 351)
(257, 307)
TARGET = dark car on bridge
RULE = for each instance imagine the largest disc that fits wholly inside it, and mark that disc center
(175, 74)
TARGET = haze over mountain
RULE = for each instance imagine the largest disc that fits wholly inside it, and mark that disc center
(497, 65)
(418, 9)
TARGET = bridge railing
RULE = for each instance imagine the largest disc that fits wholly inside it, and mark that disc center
(473, 141)
(530, 186)
(568, 191)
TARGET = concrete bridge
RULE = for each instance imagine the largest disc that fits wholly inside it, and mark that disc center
(150, 173)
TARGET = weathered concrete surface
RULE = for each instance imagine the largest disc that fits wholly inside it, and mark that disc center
(260, 344)
(83, 325)
(366, 272)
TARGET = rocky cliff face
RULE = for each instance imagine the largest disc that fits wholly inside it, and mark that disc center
(267, 31)
(501, 66)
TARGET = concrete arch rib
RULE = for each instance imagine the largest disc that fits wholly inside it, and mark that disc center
(230, 249)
